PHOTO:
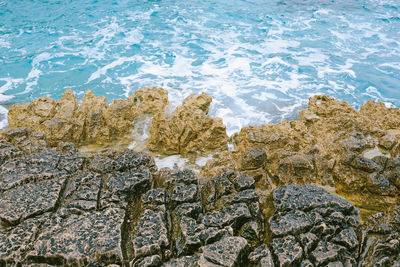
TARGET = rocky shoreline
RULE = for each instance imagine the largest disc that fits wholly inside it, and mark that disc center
(322, 190)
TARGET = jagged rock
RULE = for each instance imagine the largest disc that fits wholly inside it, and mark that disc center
(261, 256)
(288, 251)
(93, 121)
(230, 251)
(324, 225)
(24, 139)
(252, 158)
(55, 210)
(69, 238)
(188, 129)
(384, 251)
(15, 241)
(330, 144)
(150, 261)
(150, 234)
(114, 208)
(28, 200)
(185, 261)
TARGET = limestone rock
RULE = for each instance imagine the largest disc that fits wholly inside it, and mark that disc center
(188, 129)
(230, 251)
(330, 144)
(323, 223)
(91, 122)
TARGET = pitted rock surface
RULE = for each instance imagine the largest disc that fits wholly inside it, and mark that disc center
(56, 209)
(312, 225)
(60, 208)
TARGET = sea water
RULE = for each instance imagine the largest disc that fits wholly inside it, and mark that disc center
(260, 60)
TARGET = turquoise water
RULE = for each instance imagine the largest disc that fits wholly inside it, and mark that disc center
(260, 60)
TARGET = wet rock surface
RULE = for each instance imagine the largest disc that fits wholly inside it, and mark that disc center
(93, 121)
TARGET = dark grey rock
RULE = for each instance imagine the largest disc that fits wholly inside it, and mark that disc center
(236, 214)
(212, 234)
(326, 252)
(188, 236)
(252, 232)
(75, 239)
(347, 238)
(293, 222)
(186, 261)
(309, 241)
(151, 236)
(307, 197)
(327, 227)
(261, 256)
(242, 181)
(287, 251)
(191, 210)
(103, 164)
(29, 200)
(229, 251)
(150, 261)
(8, 151)
(154, 196)
(183, 193)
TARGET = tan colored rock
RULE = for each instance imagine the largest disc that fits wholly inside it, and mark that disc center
(149, 100)
(330, 144)
(92, 122)
(121, 113)
(188, 130)
(63, 127)
(386, 118)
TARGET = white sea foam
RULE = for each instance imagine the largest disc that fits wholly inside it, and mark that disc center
(172, 162)
(257, 70)
(103, 70)
(4, 43)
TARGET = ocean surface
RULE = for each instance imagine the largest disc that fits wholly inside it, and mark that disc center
(259, 60)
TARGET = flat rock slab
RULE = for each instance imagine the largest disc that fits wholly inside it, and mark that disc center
(73, 239)
(226, 252)
(29, 199)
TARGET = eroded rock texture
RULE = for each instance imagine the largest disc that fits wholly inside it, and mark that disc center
(93, 121)
(66, 209)
(61, 208)
(312, 226)
(330, 144)
(188, 129)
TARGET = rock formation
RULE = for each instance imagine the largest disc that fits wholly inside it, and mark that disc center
(61, 208)
(270, 202)
(93, 121)
(331, 144)
(188, 129)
